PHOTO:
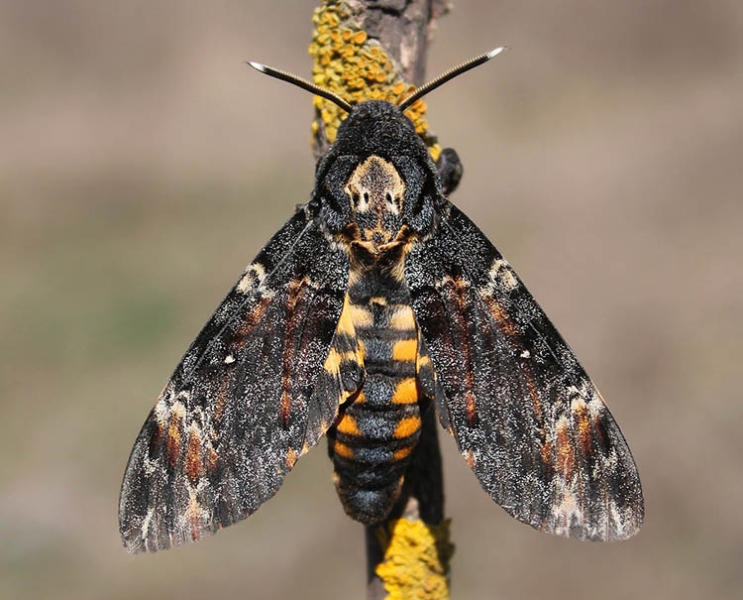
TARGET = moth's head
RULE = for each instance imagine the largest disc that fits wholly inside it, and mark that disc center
(377, 180)
(377, 127)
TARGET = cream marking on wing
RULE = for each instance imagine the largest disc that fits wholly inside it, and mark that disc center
(502, 272)
(161, 412)
(178, 410)
(145, 529)
(253, 277)
(150, 466)
(612, 460)
(577, 404)
(572, 392)
(194, 513)
(617, 518)
(229, 359)
(596, 406)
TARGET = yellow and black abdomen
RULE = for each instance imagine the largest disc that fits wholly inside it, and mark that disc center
(378, 427)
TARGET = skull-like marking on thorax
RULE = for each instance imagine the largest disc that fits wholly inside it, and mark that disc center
(376, 191)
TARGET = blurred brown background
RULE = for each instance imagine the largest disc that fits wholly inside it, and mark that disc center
(142, 165)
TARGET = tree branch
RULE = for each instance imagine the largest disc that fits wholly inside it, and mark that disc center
(376, 49)
(370, 49)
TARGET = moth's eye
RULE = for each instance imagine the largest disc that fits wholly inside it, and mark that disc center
(366, 197)
(355, 198)
(388, 197)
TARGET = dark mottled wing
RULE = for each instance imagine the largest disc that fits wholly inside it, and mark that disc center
(249, 397)
(525, 415)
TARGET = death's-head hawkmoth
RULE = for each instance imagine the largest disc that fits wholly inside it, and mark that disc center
(377, 300)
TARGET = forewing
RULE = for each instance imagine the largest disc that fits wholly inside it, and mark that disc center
(525, 415)
(240, 408)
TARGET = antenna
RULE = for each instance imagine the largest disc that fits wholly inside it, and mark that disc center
(404, 105)
(304, 84)
(450, 74)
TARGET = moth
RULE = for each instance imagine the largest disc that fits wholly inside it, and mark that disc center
(377, 301)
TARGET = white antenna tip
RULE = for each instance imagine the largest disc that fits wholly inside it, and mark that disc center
(496, 52)
(257, 66)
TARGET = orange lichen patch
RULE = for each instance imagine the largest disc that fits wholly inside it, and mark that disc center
(406, 427)
(349, 63)
(347, 425)
(194, 465)
(565, 455)
(406, 391)
(405, 350)
(342, 450)
(416, 559)
(470, 458)
(402, 453)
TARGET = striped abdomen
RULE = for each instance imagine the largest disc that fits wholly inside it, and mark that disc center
(379, 426)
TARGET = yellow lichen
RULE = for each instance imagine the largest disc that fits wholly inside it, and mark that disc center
(355, 67)
(416, 559)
